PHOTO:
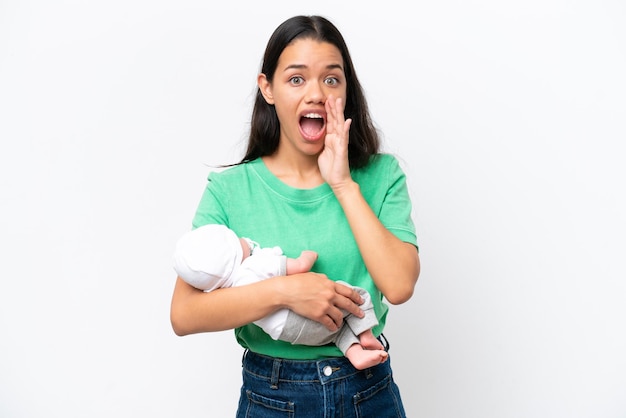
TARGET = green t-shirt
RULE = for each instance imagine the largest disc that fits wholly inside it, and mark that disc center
(255, 204)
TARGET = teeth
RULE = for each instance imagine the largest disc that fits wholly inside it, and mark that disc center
(313, 116)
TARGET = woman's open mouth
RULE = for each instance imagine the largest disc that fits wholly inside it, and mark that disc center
(312, 126)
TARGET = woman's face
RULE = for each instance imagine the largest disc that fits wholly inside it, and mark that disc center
(308, 71)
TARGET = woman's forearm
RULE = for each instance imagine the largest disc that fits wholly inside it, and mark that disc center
(393, 264)
(311, 295)
(193, 311)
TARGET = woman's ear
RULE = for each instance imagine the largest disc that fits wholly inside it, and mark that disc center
(266, 88)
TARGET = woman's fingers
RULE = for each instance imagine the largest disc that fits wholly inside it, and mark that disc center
(349, 299)
(335, 120)
(334, 320)
(323, 300)
(337, 312)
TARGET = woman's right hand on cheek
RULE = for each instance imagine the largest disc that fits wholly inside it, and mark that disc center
(316, 297)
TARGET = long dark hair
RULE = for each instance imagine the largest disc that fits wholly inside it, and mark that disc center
(265, 126)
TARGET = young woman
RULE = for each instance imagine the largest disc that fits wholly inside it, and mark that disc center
(313, 178)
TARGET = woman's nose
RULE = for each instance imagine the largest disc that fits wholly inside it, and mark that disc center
(315, 93)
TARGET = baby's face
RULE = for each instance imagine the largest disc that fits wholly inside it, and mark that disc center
(245, 248)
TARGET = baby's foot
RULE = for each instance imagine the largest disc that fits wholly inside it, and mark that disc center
(363, 359)
(369, 342)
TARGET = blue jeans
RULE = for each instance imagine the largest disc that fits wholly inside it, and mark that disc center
(327, 388)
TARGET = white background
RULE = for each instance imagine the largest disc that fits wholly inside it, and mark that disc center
(509, 118)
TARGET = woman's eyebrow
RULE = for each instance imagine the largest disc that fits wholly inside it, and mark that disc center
(304, 66)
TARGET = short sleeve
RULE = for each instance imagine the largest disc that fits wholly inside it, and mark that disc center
(213, 206)
(390, 197)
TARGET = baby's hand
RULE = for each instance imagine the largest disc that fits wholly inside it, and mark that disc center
(301, 264)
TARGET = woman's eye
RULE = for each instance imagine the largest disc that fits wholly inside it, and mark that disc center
(296, 80)
(331, 81)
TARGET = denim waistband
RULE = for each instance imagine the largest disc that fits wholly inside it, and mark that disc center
(324, 371)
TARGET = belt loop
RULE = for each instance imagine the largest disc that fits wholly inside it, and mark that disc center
(275, 374)
(243, 356)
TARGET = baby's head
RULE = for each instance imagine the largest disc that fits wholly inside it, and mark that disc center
(214, 250)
